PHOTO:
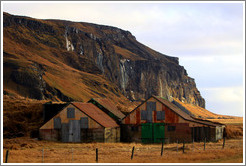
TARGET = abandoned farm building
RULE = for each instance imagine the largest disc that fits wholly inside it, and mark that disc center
(153, 121)
(81, 122)
(157, 120)
(108, 107)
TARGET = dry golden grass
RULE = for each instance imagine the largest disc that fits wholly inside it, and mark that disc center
(26, 150)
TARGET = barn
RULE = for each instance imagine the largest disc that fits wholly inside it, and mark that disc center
(80, 122)
(157, 119)
(108, 107)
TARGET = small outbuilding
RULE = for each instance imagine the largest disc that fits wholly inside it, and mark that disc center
(157, 119)
(80, 122)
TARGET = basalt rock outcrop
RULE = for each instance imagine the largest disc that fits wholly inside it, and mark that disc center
(40, 54)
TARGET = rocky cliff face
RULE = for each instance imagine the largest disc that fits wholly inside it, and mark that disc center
(111, 53)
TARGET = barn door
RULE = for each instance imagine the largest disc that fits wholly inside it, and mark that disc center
(152, 132)
(71, 131)
(159, 132)
(146, 130)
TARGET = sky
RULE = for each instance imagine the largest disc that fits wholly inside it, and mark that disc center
(208, 38)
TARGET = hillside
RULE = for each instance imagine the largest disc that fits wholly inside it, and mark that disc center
(64, 61)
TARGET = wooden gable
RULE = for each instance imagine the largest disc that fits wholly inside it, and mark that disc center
(70, 112)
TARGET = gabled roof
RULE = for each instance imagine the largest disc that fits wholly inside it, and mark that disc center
(96, 114)
(179, 112)
(107, 104)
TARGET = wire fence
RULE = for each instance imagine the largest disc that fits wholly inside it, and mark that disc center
(111, 152)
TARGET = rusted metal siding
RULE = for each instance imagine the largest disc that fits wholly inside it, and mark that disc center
(112, 135)
(170, 116)
(49, 134)
(92, 135)
(182, 132)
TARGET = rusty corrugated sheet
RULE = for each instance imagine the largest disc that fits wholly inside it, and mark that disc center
(96, 114)
(183, 114)
(110, 106)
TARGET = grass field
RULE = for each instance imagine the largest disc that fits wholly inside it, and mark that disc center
(27, 150)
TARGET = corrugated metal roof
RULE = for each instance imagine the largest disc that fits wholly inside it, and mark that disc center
(183, 114)
(96, 114)
(110, 107)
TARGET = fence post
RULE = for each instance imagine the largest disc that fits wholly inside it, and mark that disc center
(177, 145)
(162, 146)
(7, 156)
(205, 143)
(132, 152)
(96, 155)
(42, 155)
(183, 146)
(223, 143)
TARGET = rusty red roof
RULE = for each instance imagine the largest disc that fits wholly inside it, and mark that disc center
(110, 107)
(96, 114)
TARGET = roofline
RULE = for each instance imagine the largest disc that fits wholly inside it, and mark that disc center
(136, 107)
(87, 114)
(208, 121)
(169, 108)
(118, 118)
(188, 115)
(68, 103)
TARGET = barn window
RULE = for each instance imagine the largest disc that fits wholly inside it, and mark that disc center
(143, 115)
(70, 113)
(160, 115)
(57, 123)
(171, 128)
(84, 123)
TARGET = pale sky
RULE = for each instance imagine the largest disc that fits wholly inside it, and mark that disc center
(208, 38)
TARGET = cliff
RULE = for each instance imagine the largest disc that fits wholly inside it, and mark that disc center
(63, 60)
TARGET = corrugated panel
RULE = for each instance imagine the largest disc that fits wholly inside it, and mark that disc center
(70, 113)
(138, 120)
(181, 107)
(96, 114)
(74, 131)
(64, 132)
(84, 123)
(159, 132)
(57, 123)
(184, 115)
(146, 132)
(110, 107)
(143, 115)
(160, 115)
(149, 116)
(151, 106)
